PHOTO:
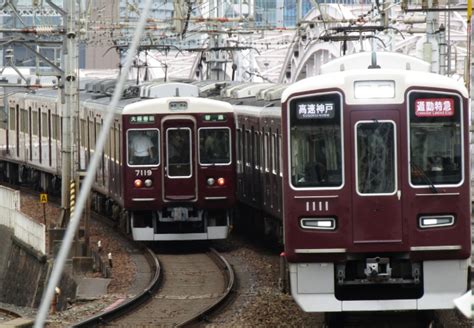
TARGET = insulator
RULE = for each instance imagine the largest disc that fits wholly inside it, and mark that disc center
(44, 30)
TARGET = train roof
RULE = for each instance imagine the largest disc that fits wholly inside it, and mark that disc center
(387, 60)
(348, 79)
(164, 106)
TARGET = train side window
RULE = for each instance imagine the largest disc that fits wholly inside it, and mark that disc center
(436, 145)
(256, 151)
(55, 129)
(83, 133)
(35, 123)
(315, 145)
(265, 151)
(280, 156)
(44, 125)
(274, 154)
(239, 151)
(23, 121)
(143, 147)
(11, 119)
(247, 148)
(214, 146)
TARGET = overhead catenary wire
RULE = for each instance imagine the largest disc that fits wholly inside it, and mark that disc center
(88, 180)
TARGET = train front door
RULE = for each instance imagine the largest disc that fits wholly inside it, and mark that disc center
(377, 208)
(180, 178)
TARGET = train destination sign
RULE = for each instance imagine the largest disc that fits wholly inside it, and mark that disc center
(320, 110)
(214, 117)
(434, 107)
(142, 119)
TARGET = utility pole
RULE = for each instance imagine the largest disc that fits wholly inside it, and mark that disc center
(70, 104)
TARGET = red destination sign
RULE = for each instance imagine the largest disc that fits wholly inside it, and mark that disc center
(434, 107)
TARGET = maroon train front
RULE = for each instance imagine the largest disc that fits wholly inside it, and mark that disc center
(179, 168)
(375, 179)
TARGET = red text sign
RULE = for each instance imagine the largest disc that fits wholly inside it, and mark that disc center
(434, 107)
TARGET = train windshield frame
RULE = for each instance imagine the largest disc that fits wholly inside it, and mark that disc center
(436, 143)
(316, 156)
(215, 146)
(143, 147)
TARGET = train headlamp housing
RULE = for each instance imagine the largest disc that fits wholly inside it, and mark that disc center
(221, 181)
(435, 221)
(374, 89)
(318, 223)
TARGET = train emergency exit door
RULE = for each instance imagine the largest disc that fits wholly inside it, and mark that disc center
(377, 208)
(180, 179)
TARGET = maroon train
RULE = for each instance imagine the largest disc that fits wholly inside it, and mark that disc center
(375, 179)
(167, 170)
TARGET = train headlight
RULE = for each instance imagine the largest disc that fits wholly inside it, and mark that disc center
(374, 89)
(148, 183)
(318, 223)
(211, 181)
(221, 181)
(138, 183)
(434, 221)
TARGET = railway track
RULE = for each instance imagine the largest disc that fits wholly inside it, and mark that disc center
(191, 286)
(7, 315)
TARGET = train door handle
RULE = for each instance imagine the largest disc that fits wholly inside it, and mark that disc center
(399, 194)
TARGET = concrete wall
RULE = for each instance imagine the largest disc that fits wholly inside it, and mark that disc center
(5, 237)
(22, 275)
(24, 271)
(23, 227)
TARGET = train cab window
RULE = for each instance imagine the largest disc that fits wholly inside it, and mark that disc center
(143, 147)
(375, 156)
(214, 146)
(435, 139)
(315, 142)
(178, 146)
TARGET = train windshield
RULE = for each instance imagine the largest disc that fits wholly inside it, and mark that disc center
(179, 152)
(214, 146)
(435, 139)
(143, 147)
(376, 164)
(315, 142)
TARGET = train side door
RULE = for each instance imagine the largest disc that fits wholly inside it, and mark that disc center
(377, 209)
(180, 178)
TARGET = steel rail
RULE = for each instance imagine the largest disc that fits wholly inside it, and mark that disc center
(131, 304)
(230, 279)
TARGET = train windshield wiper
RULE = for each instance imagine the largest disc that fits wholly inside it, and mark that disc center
(425, 177)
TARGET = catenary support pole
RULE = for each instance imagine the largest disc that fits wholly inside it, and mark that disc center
(86, 187)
